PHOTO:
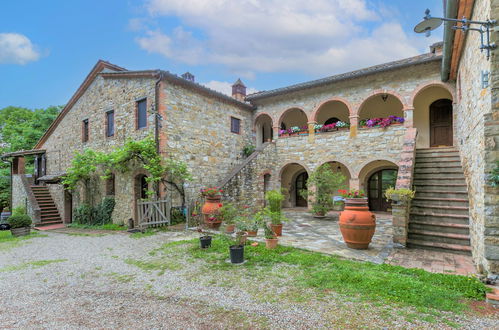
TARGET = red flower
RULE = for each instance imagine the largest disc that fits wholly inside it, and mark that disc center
(220, 205)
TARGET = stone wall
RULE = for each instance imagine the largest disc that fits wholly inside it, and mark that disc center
(23, 196)
(472, 114)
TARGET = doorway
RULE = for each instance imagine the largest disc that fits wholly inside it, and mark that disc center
(441, 123)
(68, 207)
(377, 185)
(301, 184)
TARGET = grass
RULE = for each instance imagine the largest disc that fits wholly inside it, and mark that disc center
(160, 265)
(107, 226)
(7, 241)
(426, 292)
(32, 264)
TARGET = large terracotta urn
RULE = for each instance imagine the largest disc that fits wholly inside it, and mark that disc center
(210, 208)
(357, 223)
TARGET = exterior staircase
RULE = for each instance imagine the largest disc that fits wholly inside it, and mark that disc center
(439, 217)
(50, 217)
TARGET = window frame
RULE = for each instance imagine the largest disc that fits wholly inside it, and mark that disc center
(106, 133)
(232, 118)
(137, 113)
(85, 130)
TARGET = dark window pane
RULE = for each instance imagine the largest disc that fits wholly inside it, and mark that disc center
(142, 113)
(235, 125)
(85, 130)
(110, 123)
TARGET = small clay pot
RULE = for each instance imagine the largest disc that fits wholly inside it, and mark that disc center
(229, 229)
(271, 243)
(252, 233)
(277, 229)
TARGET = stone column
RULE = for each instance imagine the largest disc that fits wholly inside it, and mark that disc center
(275, 134)
(354, 122)
(408, 117)
(354, 183)
(311, 131)
(400, 221)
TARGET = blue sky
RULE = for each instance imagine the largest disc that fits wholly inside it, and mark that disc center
(48, 47)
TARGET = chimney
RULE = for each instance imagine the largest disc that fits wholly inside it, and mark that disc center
(239, 90)
(188, 76)
(437, 48)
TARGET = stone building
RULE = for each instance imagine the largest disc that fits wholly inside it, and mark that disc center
(445, 146)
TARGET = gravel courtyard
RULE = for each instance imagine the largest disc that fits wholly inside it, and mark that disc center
(61, 280)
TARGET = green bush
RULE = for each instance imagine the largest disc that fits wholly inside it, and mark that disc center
(98, 215)
(19, 221)
(19, 210)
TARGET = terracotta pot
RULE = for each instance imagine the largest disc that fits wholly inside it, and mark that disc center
(284, 135)
(211, 206)
(252, 233)
(23, 231)
(277, 229)
(271, 243)
(229, 229)
(357, 224)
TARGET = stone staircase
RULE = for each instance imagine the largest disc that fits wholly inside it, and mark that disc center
(439, 212)
(49, 213)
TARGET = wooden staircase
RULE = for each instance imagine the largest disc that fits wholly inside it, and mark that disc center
(439, 217)
(49, 214)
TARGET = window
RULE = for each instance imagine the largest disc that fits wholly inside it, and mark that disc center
(142, 114)
(110, 123)
(235, 125)
(84, 130)
(110, 182)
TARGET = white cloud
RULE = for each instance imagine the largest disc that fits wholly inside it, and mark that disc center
(226, 87)
(318, 37)
(17, 48)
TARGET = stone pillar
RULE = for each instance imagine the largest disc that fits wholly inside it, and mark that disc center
(354, 123)
(275, 134)
(408, 117)
(311, 131)
(354, 183)
(400, 221)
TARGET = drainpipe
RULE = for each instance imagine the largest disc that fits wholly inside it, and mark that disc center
(450, 8)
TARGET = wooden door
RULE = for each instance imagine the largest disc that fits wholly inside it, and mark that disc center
(301, 184)
(377, 185)
(441, 123)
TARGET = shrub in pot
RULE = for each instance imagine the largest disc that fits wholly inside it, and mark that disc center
(271, 239)
(20, 225)
(325, 183)
(274, 210)
(227, 214)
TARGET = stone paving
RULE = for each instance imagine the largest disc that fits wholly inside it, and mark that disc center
(323, 235)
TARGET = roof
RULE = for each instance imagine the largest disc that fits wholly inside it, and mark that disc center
(52, 178)
(420, 59)
(98, 67)
(239, 83)
(174, 79)
(23, 153)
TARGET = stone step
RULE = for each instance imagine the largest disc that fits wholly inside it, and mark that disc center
(441, 201)
(48, 222)
(436, 176)
(436, 158)
(440, 236)
(437, 170)
(437, 153)
(424, 225)
(419, 181)
(51, 218)
(439, 246)
(457, 187)
(427, 208)
(439, 217)
(493, 299)
(441, 193)
(438, 165)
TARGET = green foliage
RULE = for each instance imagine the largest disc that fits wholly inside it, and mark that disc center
(177, 215)
(94, 216)
(248, 150)
(19, 210)
(106, 226)
(326, 183)
(82, 167)
(227, 213)
(274, 199)
(269, 233)
(402, 194)
(19, 221)
(494, 176)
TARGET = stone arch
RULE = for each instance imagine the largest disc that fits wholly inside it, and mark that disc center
(396, 101)
(434, 83)
(370, 166)
(348, 105)
(262, 114)
(288, 175)
(375, 177)
(263, 126)
(301, 118)
(343, 168)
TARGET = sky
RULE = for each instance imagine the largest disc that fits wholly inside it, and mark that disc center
(48, 47)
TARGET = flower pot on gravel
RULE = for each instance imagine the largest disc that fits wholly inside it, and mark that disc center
(252, 233)
(205, 242)
(357, 223)
(23, 231)
(271, 243)
(236, 254)
(277, 229)
(229, 229)
(210, 208)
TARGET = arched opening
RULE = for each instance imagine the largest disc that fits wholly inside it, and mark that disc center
(374, 178)
(332, 112)
(263, 129)
(140, 192)
(380, 106)
(294, 179)
(68, 207)
(338, 167)
(433, 117)
(295, 119)
(110, 185)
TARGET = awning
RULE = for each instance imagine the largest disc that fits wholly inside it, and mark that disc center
(52, 178)
(24, 153)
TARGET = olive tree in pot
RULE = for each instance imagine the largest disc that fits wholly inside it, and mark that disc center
(20, 225)
(271, 239)
(227, 214)
(274, 210)
(323, 183)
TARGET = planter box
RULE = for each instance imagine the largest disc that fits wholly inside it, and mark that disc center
(17, 232)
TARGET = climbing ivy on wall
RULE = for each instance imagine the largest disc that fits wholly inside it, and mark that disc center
(167, 170)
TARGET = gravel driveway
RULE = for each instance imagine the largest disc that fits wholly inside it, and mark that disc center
(67, 281)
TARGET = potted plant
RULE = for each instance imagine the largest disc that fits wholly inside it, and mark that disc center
(399, 195)
(211, 206)
(237, 250)
(212, 221)
(254, 224)
(204, 240)
(20, 225)
(357, 223)
(271, 239)
(325, 183)
(274, 210)
(227, 214)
